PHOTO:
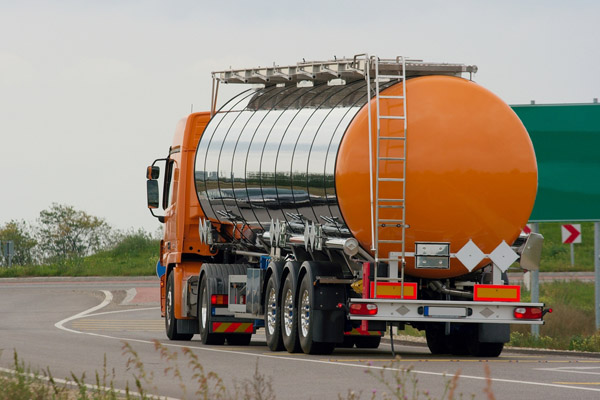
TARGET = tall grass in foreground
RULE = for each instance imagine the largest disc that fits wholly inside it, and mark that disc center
(398, 382)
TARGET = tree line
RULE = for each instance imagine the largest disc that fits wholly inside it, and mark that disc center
(60, 233)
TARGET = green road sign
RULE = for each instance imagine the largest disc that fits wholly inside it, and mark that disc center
(566, 138)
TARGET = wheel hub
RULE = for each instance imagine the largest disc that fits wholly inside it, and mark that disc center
(288, 313)
(304, 313)
(271, 311)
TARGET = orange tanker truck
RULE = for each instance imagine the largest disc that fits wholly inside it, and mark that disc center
(337, 199)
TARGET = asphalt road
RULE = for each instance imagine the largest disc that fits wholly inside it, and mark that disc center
(72, 325)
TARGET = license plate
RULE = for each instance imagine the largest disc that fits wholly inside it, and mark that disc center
(445, 312)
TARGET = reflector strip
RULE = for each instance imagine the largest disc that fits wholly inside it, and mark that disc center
(360, 332)
(233, 327)
(497, 293)
(219, 299)
(393, 290)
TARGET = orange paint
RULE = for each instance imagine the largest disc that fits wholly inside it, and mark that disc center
(471, 169)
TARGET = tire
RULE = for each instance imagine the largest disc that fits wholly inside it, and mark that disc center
(436, 340)
(205, 318)
(367, 342)
(459, 345)
(288, 320)
(479, 349)
(305, 322)
(272, 316)
(348, 343)
(239, 339)
(170, 320)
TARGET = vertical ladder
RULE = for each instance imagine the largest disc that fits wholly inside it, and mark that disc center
(390, 211)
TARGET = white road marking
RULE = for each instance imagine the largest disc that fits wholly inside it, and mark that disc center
(130, 296)
(326, 362)
(573, 370)
(107, 299)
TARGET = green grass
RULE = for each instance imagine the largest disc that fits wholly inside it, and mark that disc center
(571, 325)
(556, 256)
(135, 255)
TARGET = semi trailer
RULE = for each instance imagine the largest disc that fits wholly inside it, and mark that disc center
(334, 200)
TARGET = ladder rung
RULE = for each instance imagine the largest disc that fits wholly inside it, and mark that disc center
(391, 220)
(390, 241)
(382, 76)
(389, 206)
(391, 117)
(390, 179)
(388, 279)
(392, 200)
(391, 138)
(392, 158)
(391, 97)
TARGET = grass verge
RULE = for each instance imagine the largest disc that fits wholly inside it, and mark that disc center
(134, 255)
(570, 326)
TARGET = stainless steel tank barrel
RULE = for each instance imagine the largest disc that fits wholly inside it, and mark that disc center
(270, 155)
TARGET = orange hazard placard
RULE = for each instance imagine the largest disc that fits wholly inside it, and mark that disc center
(497, 293)
(393, 290)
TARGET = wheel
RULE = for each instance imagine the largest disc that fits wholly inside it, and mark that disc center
(305, 331)
(348, 343)
(367, 342)
(484, 349)
(239, 339)
(204, 316)
(272, 319)
(170, 320)
(436, 340)
(459, 344)
(479, 349)
(288, 320)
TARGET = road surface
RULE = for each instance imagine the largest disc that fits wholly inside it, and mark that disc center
(71, 325)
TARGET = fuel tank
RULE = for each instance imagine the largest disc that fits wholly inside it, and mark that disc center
(300, 154)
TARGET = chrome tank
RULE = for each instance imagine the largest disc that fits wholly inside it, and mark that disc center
(270, 155)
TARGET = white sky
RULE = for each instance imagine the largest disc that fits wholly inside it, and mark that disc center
(90, 91)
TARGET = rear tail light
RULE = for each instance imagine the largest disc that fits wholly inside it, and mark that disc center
(363, 309)
(528, 312)
(218, 299)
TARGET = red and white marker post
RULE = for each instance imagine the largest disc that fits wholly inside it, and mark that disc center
(571, 233)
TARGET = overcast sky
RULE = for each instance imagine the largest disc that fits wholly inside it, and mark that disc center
(90, 91)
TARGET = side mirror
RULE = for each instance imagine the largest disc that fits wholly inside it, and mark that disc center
(152, 193)
(152, 172)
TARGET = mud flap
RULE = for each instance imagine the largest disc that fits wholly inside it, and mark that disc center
(494, 333)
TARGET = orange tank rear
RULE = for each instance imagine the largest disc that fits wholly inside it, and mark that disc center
(471, 169)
